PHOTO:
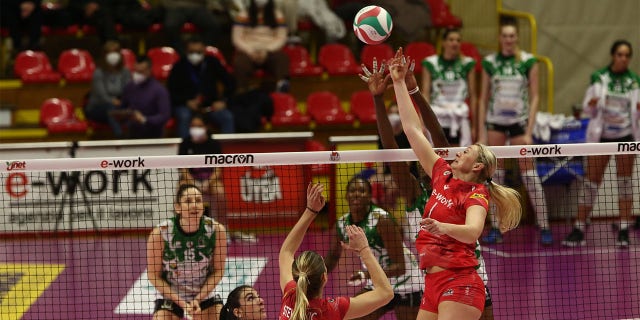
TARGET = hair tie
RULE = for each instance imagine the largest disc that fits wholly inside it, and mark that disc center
(489, 180)
(302, 274)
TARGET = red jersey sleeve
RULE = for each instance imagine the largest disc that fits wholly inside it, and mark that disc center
(478, 197)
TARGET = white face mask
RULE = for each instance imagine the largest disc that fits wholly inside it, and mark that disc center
(197, 133)
(138, 77)
(112, 58)
(396, 124)
(261, 3)
(195, 58)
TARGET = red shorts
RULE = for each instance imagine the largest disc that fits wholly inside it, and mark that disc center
(459, 285)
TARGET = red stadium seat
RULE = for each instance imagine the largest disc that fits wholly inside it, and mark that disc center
(418, 51)
(162, 60)
(324, 107)
(129, 58)
(362, 106)
(382, 52)
(35, 67)
(215, 52)
(470, 50)
(299, 61)
(286, 112)
(58, 116)
(337, 59)
(441, 15)
(76, 65)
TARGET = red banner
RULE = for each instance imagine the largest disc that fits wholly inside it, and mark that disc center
(264, 195)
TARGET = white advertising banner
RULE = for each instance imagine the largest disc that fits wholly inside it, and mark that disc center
(85, 200)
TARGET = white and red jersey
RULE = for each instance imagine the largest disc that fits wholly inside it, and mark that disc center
(319, 308)
(448, 203)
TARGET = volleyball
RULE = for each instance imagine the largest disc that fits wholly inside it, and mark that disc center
(372, 25)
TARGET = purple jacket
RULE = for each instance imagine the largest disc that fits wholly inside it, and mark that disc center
(151, 98)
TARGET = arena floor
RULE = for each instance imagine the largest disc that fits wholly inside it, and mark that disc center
(102, 277)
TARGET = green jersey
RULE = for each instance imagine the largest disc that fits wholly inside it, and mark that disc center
(412, 280)
(509, 97)
(618, 95)
(186, 257)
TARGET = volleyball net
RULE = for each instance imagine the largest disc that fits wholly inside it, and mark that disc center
(74, 231)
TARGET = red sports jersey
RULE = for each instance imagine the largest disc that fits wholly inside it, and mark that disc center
(319, 308)
(448, 203)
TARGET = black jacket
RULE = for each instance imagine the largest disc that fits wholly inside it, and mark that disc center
(187, 81)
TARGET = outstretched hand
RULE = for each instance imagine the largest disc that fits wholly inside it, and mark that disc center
(375, 79)
(398, 66)
(410, 77)
(315, 199)
(357, 239)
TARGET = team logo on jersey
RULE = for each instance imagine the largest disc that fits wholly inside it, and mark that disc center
(447, 293)
(446, 186)
(479, 196)
(446, 173)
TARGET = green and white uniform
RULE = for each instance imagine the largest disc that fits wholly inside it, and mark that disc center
(449, 90)
(615, 115)
(412, 280)
(186, 258)
(414, 215)
(509, 96)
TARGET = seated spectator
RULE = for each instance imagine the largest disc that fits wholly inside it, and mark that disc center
(146, 102)
(22, 17)
(194, 87)
(259, 35)
(319, 12)
(108, 82)
(177, 12)
(135, 14)
(208, 179)
(244, 303)
(94, 13)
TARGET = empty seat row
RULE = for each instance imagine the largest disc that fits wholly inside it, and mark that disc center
(324, 108)
(74, 65)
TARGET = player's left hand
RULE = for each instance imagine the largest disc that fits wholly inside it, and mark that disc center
(431, 225)
(410, 77)
(375, 79)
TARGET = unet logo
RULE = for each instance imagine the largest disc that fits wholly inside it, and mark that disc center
(16, 165)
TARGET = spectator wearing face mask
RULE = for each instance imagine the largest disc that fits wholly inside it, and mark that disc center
(194, 83)
(208, 179)
(108, 82)
(146, 101)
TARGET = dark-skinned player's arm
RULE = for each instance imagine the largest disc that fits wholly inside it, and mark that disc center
(377, 83)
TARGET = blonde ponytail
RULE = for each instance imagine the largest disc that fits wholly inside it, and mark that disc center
(508, 205)
(308, 269)
(507, 200)
(302, 303)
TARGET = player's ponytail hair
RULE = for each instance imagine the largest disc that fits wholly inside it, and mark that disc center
(308, 269)
(507, 200)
